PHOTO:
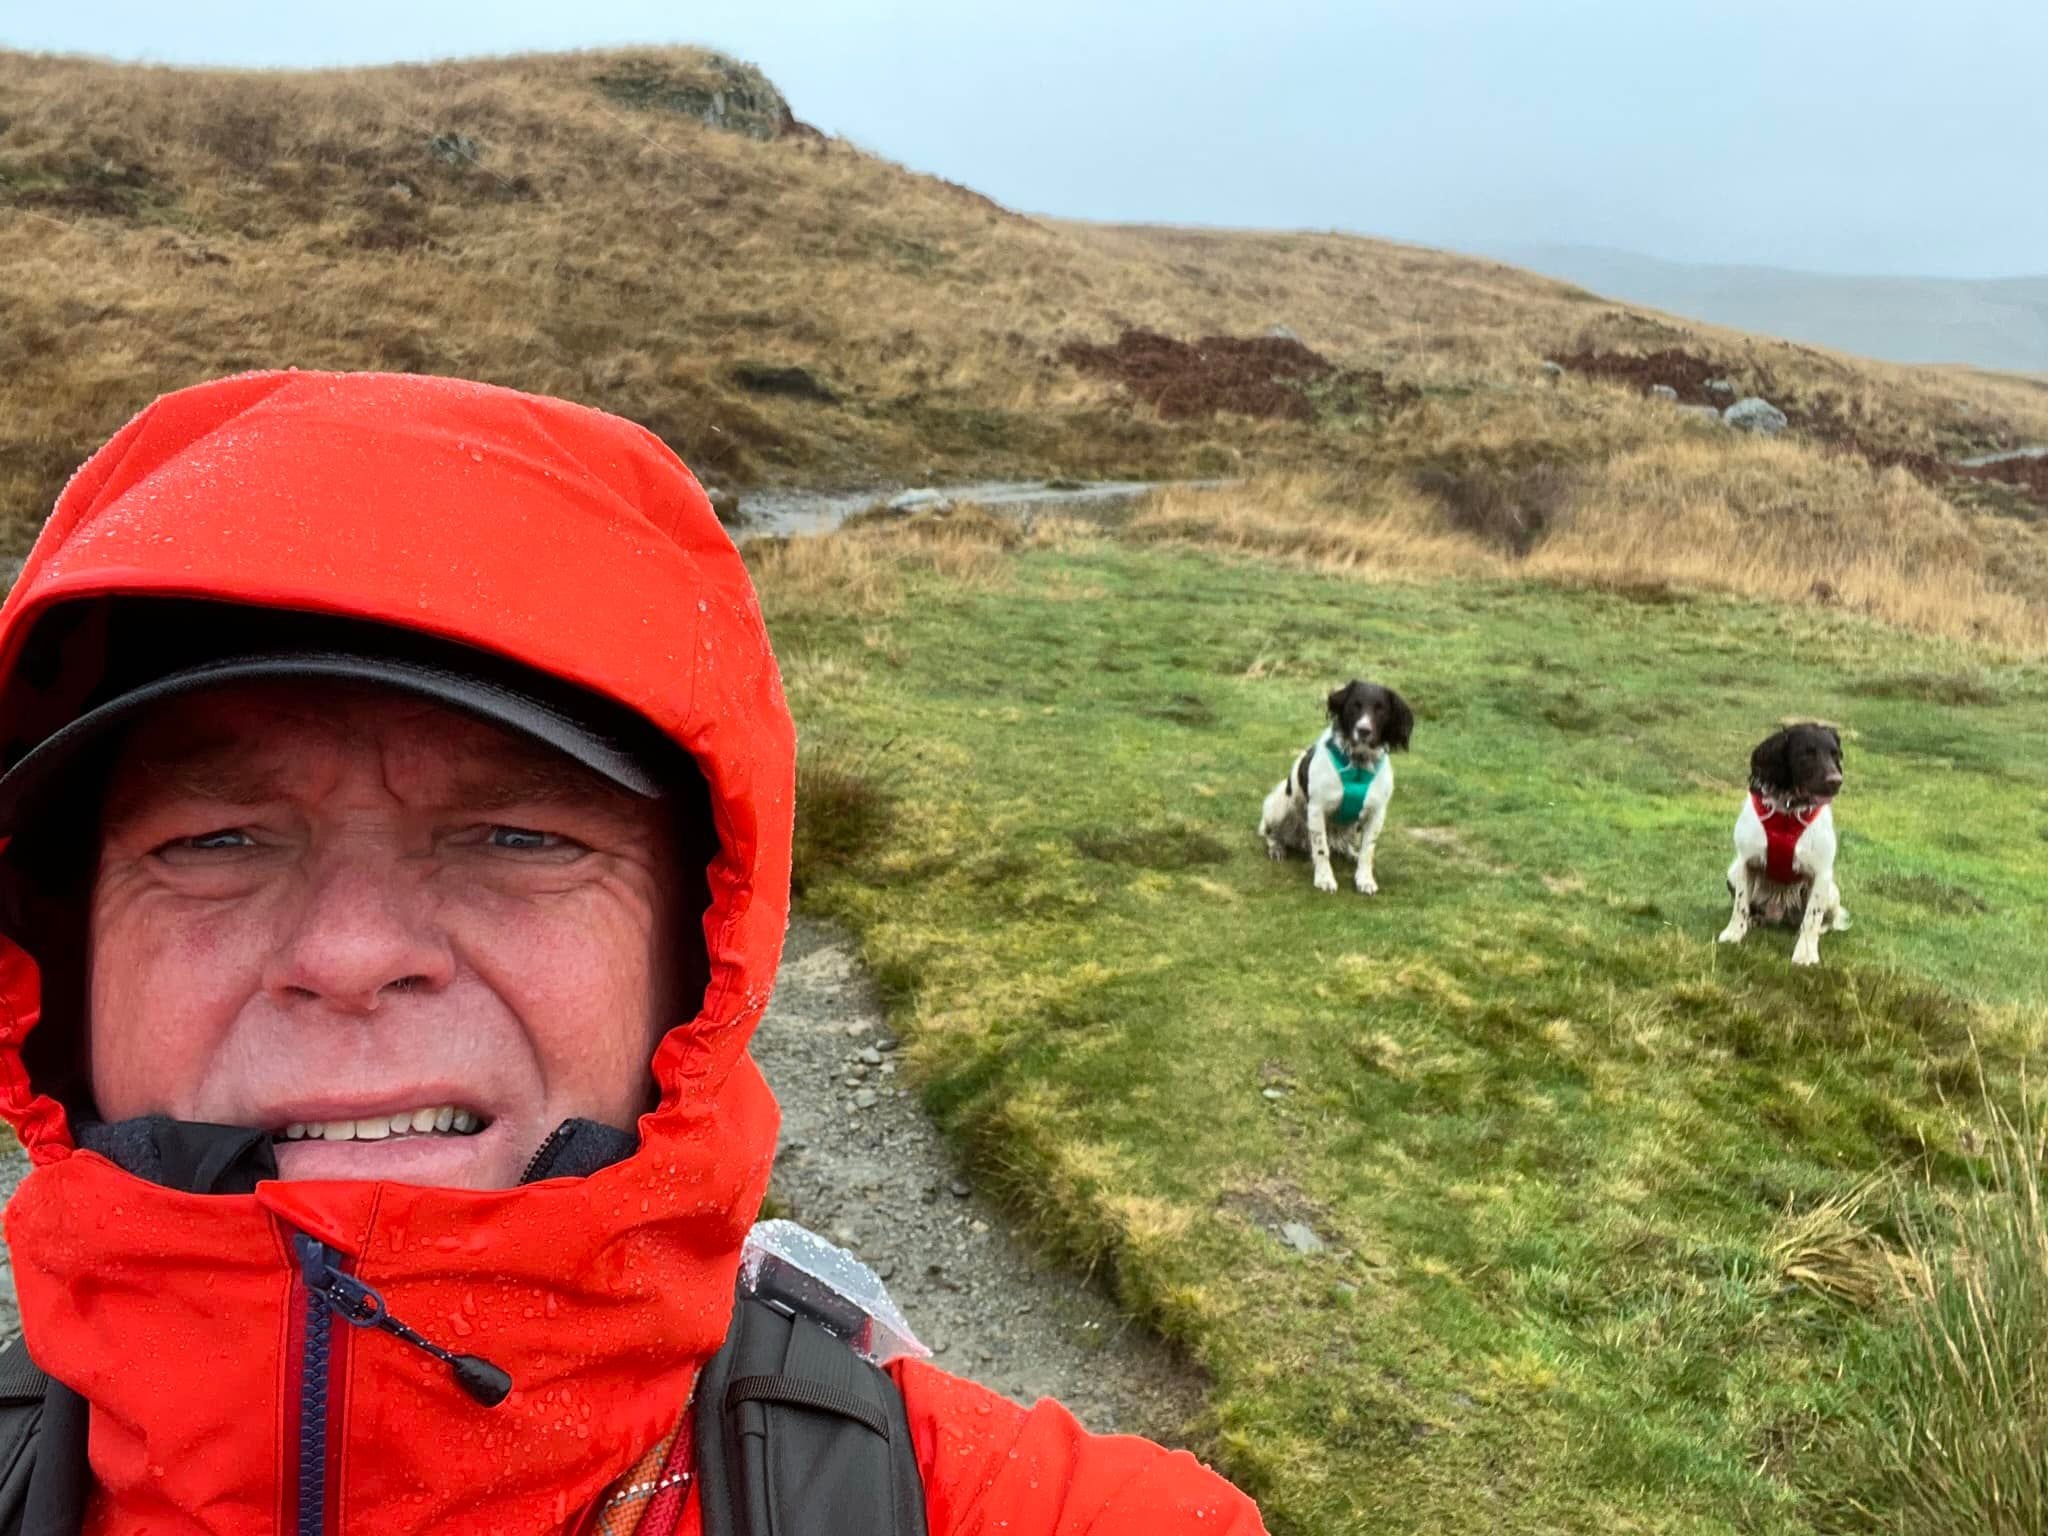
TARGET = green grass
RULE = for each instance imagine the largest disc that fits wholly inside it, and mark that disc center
(1552, 1135)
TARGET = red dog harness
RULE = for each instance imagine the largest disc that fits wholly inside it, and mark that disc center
(1783, 828)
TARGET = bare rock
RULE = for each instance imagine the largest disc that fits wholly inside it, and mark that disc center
(1300, 1237)
(1756, 414)
(923, 499)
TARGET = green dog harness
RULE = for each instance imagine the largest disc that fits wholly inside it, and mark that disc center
(1357, 783)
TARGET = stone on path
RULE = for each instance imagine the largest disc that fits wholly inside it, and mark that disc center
(923, 499)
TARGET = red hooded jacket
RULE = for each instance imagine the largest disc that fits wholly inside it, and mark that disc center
(577, 544)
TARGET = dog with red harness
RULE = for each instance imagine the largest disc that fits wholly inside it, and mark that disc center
(1785, 844)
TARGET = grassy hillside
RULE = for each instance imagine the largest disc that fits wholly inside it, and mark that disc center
(1603, 1233)
(787, 309)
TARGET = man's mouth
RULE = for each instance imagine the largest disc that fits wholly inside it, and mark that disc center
(428, 1120)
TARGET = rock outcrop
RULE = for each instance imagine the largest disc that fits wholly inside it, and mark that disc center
(716, 90)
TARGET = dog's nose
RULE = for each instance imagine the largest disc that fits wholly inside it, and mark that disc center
(1833, 782)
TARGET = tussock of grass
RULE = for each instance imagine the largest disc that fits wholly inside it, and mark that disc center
(1512, 512)
(1829, 1247)
(844, 808)
(843, 576)
(860, 572)
(1962, 1444)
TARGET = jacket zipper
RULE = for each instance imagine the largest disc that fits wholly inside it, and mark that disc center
(316, 1356)
(545, 1153)
(330, 1291)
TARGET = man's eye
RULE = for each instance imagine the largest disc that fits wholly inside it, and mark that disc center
(209, 842)
(526, 840)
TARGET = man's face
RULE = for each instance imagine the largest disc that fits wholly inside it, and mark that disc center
(328, 911)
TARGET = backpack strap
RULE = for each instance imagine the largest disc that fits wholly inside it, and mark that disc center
(796, 1435)
(21, 1412)
(44, 1477)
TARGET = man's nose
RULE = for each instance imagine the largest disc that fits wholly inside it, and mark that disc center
(362, 933)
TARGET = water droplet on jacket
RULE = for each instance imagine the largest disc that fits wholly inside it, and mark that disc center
(459, 1323)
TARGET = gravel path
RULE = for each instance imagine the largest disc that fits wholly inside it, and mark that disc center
(13, 1164)
(859, 1162)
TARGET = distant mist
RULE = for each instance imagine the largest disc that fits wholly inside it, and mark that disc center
(1994, 323)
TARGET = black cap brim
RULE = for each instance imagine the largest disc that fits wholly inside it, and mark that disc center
(603, 751)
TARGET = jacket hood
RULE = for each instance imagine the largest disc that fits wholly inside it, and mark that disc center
(576, 544)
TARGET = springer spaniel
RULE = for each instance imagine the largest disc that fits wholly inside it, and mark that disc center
(1784, 867)
(1341, 784)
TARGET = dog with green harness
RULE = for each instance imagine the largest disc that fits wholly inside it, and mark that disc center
(1337, 792)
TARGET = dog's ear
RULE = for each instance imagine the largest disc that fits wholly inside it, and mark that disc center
(1335, 701)
(1770, 764)
(1400, 722)
(1836, 737)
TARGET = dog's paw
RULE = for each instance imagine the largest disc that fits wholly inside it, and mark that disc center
(1734, 933)
(1841, 922)
(1806, 955)
(1326, 881)
(1275, 852)
(1367, 887)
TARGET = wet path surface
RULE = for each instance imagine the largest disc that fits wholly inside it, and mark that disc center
(782, 512)
(2009, 456)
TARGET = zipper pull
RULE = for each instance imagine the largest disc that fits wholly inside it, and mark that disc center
(359, 1304)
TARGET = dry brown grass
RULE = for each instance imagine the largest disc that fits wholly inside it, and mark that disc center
(1831, 1248)
(160, 226)
(859, 571)
(1754, 517)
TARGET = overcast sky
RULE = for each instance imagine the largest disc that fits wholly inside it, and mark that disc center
(1891, 136)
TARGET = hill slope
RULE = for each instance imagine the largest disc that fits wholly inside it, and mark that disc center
(784, 309)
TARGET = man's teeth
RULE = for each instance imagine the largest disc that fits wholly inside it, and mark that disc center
(409, 1122)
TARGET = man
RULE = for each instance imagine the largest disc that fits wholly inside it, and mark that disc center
(399, 795)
